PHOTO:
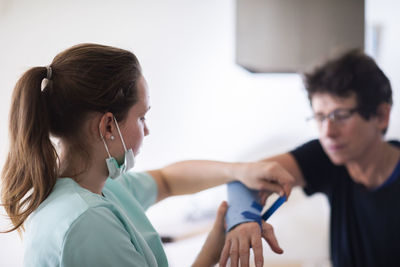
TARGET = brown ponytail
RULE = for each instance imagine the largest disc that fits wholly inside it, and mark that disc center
(85, 78)
(30, 170)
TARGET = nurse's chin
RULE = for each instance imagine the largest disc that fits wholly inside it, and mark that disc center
(137, 152)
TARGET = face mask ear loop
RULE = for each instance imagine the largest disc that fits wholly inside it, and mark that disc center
(120, 135)
(105, 145)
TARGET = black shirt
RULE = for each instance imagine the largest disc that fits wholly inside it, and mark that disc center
(364, 223)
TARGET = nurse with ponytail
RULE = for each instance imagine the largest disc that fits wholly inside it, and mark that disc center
(80, 203)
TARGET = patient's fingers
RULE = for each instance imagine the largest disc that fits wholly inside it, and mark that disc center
(269, 236)
(225, 253)
(234, 253)
(244, 252)
(256, 244)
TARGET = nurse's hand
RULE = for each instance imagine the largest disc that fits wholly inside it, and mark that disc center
(211, 250)
(245, 236)
(264, 176)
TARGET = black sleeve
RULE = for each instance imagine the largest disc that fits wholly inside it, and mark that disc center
(315, 166)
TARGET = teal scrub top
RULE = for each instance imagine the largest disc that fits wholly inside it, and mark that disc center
(75, 227)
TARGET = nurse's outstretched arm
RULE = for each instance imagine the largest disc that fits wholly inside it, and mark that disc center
(187, 177)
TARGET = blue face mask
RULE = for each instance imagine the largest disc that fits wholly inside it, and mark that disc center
(114, 169)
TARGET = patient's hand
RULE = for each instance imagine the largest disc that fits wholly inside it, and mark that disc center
(239, 240)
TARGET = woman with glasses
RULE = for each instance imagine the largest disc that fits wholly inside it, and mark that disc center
(350, 163)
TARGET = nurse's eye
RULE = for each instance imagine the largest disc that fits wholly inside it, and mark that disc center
(143, 118)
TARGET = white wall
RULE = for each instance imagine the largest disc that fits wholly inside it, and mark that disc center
(203, 105)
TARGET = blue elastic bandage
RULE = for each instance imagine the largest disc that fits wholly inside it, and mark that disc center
(274, 207)
(254, 216)
(243, 205)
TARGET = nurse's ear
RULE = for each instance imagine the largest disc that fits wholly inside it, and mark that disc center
(106, 126)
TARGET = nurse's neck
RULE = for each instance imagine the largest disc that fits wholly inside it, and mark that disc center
(91, 176)
(93, 183)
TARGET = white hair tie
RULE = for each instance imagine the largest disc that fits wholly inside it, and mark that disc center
(49, 72)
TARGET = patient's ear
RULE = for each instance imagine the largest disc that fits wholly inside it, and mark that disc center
(383, 115)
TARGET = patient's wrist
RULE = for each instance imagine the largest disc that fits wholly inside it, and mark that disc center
(243, 205)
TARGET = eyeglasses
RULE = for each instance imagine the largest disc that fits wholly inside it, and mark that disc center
(338, 115)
